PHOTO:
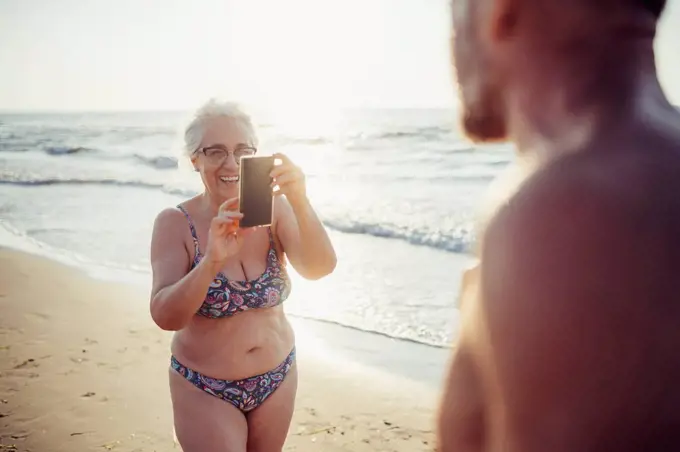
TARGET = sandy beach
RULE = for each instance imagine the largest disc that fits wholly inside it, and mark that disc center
(83, 368)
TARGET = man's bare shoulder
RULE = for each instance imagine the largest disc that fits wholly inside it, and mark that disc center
(595, 189)
(561, 222)
(585, 215)
(574, 272)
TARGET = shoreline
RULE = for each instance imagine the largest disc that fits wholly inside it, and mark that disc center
(352, 344)
(81, 369)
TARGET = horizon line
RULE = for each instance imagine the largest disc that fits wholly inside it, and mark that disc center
(189, 109)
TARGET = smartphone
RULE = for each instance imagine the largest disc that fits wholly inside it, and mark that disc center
(256, 200)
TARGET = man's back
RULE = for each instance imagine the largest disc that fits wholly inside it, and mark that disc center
(571, 336)
(568, 337)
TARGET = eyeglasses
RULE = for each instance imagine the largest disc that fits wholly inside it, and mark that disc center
(217, 154)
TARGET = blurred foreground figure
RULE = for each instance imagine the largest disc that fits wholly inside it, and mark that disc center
(570, 332)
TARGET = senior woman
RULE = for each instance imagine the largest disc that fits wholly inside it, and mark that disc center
(233, 377)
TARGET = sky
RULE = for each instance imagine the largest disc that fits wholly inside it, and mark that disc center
(174, 54)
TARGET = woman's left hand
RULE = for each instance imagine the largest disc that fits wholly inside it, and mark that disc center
(289, 178)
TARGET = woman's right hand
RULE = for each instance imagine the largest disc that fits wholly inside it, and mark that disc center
(225, 238)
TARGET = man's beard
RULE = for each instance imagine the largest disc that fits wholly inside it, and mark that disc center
(484, 118)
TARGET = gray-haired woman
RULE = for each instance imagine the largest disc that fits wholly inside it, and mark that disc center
(233, 377)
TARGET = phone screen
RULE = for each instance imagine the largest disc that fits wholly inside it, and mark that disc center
(256, 201)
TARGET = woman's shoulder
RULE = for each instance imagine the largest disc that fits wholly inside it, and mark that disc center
(171, 213)
(169, 219)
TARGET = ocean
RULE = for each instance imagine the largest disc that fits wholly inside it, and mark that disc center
(398, 191)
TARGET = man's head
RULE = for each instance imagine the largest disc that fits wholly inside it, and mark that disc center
(494, 37)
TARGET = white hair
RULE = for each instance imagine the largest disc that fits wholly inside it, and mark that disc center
(193, 133)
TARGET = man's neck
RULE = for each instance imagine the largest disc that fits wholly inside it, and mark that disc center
(566, 102)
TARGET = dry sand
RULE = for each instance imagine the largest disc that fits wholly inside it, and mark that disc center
(83, 368)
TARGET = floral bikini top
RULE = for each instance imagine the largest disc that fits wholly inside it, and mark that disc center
(226, 298)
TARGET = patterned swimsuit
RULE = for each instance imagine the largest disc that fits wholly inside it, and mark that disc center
(226, 298)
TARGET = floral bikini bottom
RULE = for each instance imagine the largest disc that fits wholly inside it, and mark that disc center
(246, 394)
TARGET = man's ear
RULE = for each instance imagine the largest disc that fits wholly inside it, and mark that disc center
(503, 19)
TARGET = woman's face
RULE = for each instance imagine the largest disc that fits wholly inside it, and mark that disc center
(217, 159)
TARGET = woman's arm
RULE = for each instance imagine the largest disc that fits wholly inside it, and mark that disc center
(304, 238)
(176, 295)
(299, 230)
